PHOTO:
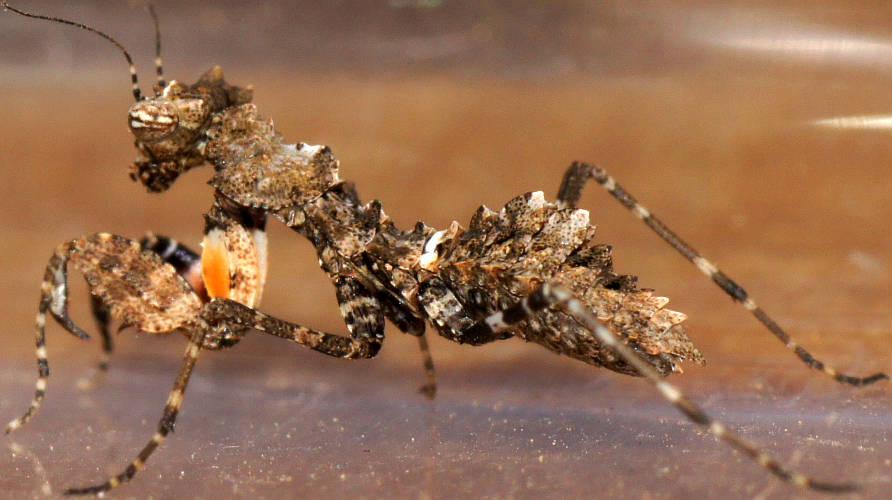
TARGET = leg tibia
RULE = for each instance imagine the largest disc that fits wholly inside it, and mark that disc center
(407, 322)
(103, 319)
(568, 195)
(547, 296)
(221, 312)
(53, 298)
(165, 425)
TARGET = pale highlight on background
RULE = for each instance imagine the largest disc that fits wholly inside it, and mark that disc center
(435, 109)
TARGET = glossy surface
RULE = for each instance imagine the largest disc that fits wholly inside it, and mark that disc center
(731, 122)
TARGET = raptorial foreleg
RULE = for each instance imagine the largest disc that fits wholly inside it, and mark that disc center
(187, 264)
(136, 287)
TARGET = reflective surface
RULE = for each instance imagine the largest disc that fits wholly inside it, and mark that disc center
(755, 132)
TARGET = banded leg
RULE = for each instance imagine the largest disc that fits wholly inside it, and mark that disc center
(408, 323)
(548, 296)
(451, 318)
(429, 389)
(361, 310)
(53, 298)
(568, 195)
(165, 425)
(223, 313)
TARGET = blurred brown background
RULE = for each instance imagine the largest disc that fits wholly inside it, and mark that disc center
(755, 129)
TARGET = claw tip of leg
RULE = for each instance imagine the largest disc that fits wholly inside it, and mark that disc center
(429, 391)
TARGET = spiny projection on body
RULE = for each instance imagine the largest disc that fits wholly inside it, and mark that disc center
(531, 270)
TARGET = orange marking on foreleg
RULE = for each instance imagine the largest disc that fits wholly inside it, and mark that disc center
(215, 264)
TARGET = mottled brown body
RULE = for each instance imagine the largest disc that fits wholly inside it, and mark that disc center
(504, 256)
(532, 270)
(255, 168)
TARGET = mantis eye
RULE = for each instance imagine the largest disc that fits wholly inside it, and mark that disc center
(153, 120)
